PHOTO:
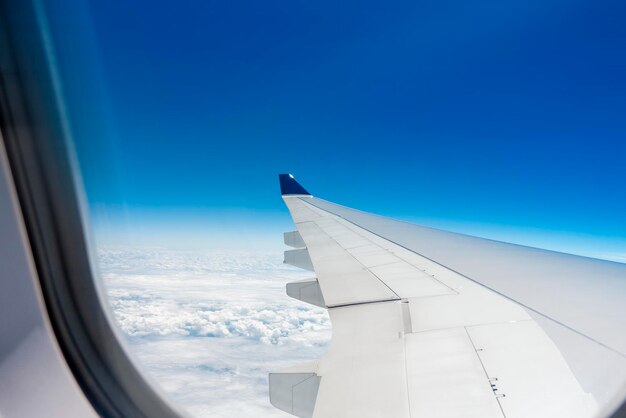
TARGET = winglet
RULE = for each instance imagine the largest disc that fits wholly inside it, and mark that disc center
(289, 185)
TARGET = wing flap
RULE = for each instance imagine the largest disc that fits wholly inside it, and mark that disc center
(446, 377)
(410, 282)
(364, 374)
(342, 278)
(533, 377)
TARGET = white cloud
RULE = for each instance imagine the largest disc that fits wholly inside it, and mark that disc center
(208, 327)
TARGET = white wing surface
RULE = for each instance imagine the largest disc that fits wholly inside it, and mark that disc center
(428, 323)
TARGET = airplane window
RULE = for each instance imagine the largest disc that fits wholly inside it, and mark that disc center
(193, 271)
(503, 121)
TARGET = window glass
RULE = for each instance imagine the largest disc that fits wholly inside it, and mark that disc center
(503, 120)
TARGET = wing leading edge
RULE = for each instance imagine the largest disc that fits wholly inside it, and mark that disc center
(415, 337)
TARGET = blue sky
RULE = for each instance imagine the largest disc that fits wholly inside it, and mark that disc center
(502, 119)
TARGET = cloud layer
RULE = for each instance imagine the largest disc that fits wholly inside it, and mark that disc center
(209, 326)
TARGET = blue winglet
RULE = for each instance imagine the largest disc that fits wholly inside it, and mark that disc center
(289, 185)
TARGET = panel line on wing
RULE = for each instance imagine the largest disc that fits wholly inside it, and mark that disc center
(489, 378)
(356, 260)
(341, 277)
(400, 275)
(346, 305)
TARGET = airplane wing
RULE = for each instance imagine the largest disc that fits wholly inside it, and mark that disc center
(429, 323)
